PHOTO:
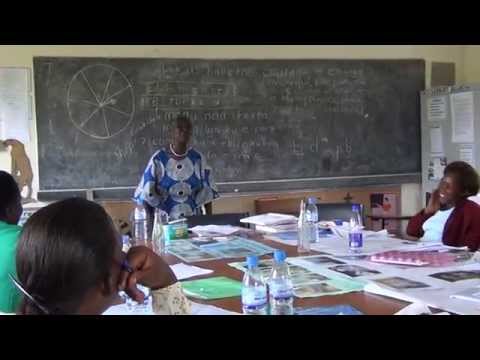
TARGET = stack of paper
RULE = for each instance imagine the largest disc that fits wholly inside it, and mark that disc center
(213, 230)
(275, 229)
(270, 219)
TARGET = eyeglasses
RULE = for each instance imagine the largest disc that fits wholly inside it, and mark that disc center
(30, 297)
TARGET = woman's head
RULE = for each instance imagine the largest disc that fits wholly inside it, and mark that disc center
(460, 181)
(68, 258)
(182, 132)
(10, 199)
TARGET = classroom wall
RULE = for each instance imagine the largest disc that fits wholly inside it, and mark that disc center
(472, 64)
(22, 55)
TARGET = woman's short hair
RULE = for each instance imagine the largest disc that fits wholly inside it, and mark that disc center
(9, 192)
(64, 250)
(466, 176)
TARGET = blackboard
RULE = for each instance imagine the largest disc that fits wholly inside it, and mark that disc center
(262, 124)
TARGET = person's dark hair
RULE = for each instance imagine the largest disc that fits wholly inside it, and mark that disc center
(64, 250)
(9, 192)
(182, 120)
(466, 176)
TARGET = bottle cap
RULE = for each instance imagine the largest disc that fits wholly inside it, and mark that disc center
(312, 201)
(279, 256)
(252, 261)
(355, 207)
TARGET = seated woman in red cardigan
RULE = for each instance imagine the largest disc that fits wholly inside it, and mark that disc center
(450, 216)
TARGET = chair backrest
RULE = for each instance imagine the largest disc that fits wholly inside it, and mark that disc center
(334, 211)
(217, 219)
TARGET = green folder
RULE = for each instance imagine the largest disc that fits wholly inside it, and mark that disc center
(212, 288)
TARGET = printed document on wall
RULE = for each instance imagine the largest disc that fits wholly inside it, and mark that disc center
(15, 104)
(437, 108)
(436, 141)
(466, 152)
(462, 117)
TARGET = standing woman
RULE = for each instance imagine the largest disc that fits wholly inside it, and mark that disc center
(177, 178)
(450, 216)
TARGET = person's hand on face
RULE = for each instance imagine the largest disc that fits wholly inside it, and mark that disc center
(434, 203)
(149, 270)
(445, 196)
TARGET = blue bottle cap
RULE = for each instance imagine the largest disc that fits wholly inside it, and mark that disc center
(252, 261)
(312, 201)
(279, 256)
(355, 207)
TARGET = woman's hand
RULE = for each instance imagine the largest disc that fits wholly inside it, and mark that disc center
(434, 203)
(149, 270)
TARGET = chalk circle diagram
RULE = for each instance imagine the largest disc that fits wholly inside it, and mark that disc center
(100, 101)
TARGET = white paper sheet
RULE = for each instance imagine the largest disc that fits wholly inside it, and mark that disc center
(466, 152)
(437, 108)
(462, 117)
(439, 296)
(207, 230)
(436, 141)
(417, 308)
(197, 309)
(202, 309)
(184, 271)
(15, 104)
(269, 219)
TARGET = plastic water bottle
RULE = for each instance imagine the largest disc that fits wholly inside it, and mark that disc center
(140, 234)
(280, 286)
(158, 234)
(311, 215)
(126, 244)
(254, 290)
(355, 235)
(303, 237)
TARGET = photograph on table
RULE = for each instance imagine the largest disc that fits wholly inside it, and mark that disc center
(194, 255)
(263, 265)
(401, 283)
(236, 248)
(200, 242)
(314, 290)
(304, 278)
(454, 276)
(353, 270)
(321, 260)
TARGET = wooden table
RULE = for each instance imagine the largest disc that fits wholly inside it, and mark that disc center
(367, 303)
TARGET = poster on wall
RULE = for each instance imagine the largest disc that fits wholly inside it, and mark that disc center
(466, 152)
(462, 117)
(15, 103)
(436, 141)
(437, 108)
(436, 166)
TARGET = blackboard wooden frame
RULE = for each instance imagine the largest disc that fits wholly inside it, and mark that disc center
(48, 70)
